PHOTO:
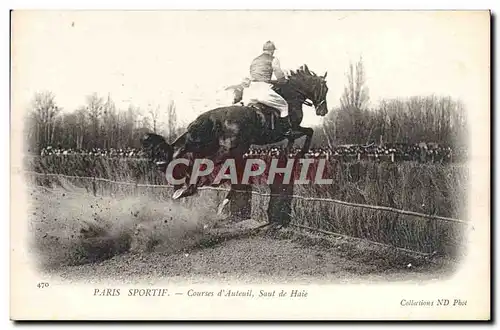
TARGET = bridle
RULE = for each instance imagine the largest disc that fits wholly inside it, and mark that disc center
(320, 103)
(306, 101)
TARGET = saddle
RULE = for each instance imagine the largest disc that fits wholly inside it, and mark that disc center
(271, 115)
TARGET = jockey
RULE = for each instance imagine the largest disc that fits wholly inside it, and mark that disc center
(260, 89)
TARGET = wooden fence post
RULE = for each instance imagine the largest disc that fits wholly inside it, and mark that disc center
(240, 203)
(279, 210)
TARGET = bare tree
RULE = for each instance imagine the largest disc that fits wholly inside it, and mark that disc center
(154, 113)
(355, 94)
(109, 123)
(329, 130)
(45, 112)
(82, 126)
(171, 121)
(353, 104)
(95, 106)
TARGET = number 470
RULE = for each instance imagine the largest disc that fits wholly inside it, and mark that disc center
(42, 285)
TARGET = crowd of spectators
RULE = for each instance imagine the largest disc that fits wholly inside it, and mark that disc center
(99, 152)
(389, 152)
(423, 152)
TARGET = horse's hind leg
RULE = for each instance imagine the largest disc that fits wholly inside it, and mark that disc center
(289, 145)
(189, 189)
(226, 200)
(192, 188)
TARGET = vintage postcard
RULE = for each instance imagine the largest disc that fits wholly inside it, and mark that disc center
(250, 165)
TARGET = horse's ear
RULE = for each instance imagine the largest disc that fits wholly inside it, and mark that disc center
(306, 69)
(324, 76)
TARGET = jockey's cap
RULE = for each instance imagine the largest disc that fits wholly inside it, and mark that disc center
(269, 45)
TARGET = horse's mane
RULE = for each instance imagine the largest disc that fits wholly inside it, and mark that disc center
(302, 71)
(304, 77)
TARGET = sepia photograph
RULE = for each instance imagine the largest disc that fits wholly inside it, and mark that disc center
(250, 164)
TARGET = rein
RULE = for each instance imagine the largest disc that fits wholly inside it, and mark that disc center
(309, 103)
(305, 102)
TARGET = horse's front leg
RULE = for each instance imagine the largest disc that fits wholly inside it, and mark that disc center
(308, 132)
(289, 145)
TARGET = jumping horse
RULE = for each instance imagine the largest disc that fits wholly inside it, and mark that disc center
(228, 132)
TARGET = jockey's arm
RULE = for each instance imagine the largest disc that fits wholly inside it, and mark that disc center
(280, 75)
(236, 87)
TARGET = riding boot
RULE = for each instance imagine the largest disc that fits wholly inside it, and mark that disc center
(287, 126)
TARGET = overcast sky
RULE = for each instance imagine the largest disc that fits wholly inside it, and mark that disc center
(151, 57)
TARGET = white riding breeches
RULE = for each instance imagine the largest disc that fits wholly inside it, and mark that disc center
(261, 92)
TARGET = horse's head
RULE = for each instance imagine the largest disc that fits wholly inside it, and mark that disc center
(312, 86)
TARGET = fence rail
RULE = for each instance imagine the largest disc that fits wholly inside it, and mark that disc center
(327, 232)
(315, 199)
(411, 234)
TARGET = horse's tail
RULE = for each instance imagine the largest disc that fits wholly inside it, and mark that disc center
(156, 146)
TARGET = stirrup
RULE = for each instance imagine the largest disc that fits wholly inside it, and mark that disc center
(288, 132)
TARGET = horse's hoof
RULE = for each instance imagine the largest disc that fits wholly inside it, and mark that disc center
(178, 193)
(221, 206)
(184, 192)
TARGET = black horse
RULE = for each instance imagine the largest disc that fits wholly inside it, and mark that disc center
(229, 131)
